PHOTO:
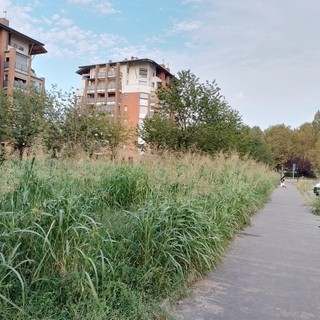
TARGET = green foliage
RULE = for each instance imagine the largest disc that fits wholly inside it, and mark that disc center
(192, 115)
(22, 117)
(124, 187)
(252, 144)
(316, 207)
(114, 133)
(95, 241)
(161, 134)
(4, 115)
(55, 119)
(54, 134)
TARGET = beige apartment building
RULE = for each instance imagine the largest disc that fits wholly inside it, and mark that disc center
(125, 88)
(16, 53)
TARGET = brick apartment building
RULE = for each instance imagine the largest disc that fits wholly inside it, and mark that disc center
(126, 88)
(16, 53)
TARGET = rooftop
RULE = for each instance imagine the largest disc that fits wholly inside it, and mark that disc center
(35, 46)
(85, 69)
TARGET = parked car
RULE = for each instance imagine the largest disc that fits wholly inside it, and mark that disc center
(316, 189)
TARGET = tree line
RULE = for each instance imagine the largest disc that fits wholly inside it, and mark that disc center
(191, 117)
(57, 122)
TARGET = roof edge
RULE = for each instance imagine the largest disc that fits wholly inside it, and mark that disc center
(125, 61)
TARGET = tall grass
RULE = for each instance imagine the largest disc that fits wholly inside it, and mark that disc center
(305, 186)
(98, 241)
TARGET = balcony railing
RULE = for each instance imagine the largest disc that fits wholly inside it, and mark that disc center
(111, 87)
(111, 101)
(90, 88)
(104, 108)
(113, 74)
(36, 86)
(22, 67)
(101, 75)
(101, 100)
(19, 85)
(101, 88)
(90, 100)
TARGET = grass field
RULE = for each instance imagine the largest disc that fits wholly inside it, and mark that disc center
(92, 240)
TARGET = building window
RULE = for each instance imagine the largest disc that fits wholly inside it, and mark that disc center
(144, 95)
(143, 74)
(22, 62)
(143, 111)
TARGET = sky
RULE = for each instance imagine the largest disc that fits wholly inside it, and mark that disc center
(263, 54)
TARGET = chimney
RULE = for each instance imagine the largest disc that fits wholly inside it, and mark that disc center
(4, 21)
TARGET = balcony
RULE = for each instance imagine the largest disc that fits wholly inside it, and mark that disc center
(16, 46)
(6, 65)
(20, 85)
(90, 89)
(38, 86)
(106, 109)
(101, 75)
(111, 101)
(111, 87)
(113, 74)
(22, 67)
(90, 101)
(101, 100)
(5, 83)
(101, 88)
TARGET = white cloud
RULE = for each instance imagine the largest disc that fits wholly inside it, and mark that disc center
(185, 26)
(62, 37)
(65, 22)
(264, 56)
(104, 8)
(81, 1)
(97, 6)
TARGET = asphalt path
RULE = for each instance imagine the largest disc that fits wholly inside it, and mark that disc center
(271, 271)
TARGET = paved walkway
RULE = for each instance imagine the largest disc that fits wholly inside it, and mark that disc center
(270, 272)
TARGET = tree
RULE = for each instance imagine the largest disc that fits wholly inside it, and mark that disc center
(59, 103)
(195, 114)
(80, 130)
(4, 116)
(303, 166)
(160, 133)
(22, 117)
(316, 122)
(87, 129)
(113, 131)
(281, 142)
(252, 144)
(304, 139)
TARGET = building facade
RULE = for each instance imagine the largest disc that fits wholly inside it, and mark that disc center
(16, 53)
(125, 88)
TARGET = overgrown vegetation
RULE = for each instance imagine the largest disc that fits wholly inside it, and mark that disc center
(195, 116)
(55, 122)
(305, 186)
(97, 241)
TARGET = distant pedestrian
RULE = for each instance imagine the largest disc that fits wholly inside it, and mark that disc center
(283, 181)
